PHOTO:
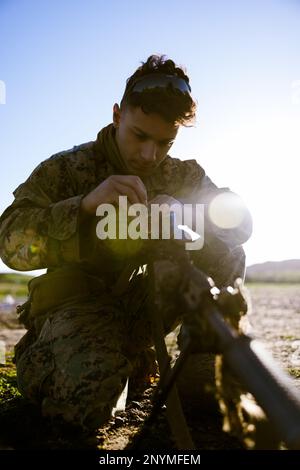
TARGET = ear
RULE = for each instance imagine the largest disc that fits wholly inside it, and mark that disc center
(116, 115)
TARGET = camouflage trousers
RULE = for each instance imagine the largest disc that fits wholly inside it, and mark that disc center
(85, 351)
(78, 365)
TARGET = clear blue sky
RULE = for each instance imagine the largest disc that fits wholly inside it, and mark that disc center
(64, 63)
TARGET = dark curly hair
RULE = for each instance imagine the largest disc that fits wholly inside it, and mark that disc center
(172, 105)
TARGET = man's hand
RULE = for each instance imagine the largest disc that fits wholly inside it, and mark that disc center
(110, 190)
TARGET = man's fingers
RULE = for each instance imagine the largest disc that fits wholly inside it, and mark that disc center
(135, 184)
(123, 190)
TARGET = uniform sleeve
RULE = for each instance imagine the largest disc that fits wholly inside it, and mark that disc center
(41, 227)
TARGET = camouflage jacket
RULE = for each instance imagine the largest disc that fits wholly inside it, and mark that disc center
(42, 227)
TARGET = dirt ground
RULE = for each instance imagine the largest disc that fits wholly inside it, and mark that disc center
(275, 318)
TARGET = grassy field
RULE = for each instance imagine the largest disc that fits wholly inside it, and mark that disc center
(13, 284)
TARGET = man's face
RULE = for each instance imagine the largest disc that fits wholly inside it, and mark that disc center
(143, 139)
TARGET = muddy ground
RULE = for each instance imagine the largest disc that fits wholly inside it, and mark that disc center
(275, 318)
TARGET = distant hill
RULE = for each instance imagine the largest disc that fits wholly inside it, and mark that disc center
(287, 271)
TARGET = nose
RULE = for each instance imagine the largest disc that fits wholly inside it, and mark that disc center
(149, 151)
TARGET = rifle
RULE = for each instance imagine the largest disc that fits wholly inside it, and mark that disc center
(244, 357)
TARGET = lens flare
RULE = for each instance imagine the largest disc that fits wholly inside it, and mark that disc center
(227, 210)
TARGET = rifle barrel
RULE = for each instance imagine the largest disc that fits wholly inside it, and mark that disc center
(269, 384)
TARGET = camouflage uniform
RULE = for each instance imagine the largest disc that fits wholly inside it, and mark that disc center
(81, 346)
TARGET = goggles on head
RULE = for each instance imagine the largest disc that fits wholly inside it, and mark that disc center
(158, 80)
